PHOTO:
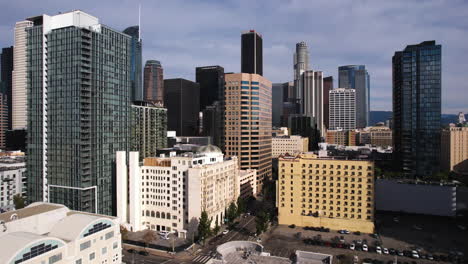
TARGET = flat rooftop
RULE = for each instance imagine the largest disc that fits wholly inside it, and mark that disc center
(238, 258)
(29, 211)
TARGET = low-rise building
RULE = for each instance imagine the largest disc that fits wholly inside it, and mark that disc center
(288, 144)
(248, 183)
(341, 137)
(333, 193)
(51, 233)
(454, 149)
(379, 136)
(12, 179)
(170, 193)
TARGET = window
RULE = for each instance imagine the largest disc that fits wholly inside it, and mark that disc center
(92, 256)
(85, 245)
(115, 245)
(55, 258)
(109, 235)
(78, 261)
(104, 250)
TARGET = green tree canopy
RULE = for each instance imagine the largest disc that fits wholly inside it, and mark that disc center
(261, 222)
(204, 226)
(19, 201)
(231, 213)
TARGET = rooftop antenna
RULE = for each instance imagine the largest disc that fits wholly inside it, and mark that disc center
(139, 22)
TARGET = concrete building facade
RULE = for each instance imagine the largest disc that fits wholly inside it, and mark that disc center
(338, 194)
(280, 145)
(342, 137)
(12, 180)
(153, 82)
(342, 109)
(454, 149)
(248, 123)
(312, 103)
(248, 184)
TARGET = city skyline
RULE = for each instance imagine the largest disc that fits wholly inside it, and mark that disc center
(204, 41)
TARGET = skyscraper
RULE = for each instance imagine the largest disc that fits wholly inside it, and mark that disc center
(417, 73)
(277, 92)
(19, 94)
(248, 123)
(181, 98)
(6, 66)
(78, 118)
(154, 82)
(342, 109)
(327, 87)
(211, 80)
(356, 77)
(301, 64)
(312, 82)
(135, 62)
(251, 52)
(3, 115)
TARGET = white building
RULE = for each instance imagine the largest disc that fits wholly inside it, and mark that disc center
(342, 109)
(170, 193)
(51, 233)
(248, 183)
(289, 144)
(12, 180)
(313, 97)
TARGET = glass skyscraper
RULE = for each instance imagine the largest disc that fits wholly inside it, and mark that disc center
(356, 77)
(417, 72)
(78, 110)
(251, 52)
(135, 62)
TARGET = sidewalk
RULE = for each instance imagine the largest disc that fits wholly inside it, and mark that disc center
(183, 255)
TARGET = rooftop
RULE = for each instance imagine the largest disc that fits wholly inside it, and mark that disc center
(33, 209)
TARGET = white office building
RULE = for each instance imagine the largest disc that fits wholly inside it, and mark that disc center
(289, 144)
(342, 109)
(45, 233)
(170, 193)
(12, 180)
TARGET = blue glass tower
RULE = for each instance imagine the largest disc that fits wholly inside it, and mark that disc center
(416, 108)
(356, 77)
(135, 63)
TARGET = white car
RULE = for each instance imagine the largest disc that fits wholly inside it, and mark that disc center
(365, 248)
(163, 233)
(414, 254)
(225, 232)
(378, 250)
(352, 246)
(259, 240)
(385, 251)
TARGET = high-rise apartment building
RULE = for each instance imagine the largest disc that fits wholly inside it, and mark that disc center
(170, 193)
(148, 129)
(417, 73)
(312, 103)
(78, 117)
(181, 98)
(301, 64)
(19, 82)
(251, 52)
(6, 78)
(135, 62)
(153, 82)
(248, 123)
(356, 77)
(327, 87)
(336, 194)
(342, 109)
(13, 179)
(454, 150)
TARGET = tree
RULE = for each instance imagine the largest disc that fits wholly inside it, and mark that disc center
(261, 222)
(241, 206)
(216, 229)
(231, 213)
(123, 232)
(204, 226)
(19, 201)
(149, 236)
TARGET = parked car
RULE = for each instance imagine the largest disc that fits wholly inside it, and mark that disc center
(357, 233)
(378, 250)
(292, 226)
(430, 257)
(225, 232)
(365, 248)
(367, 261)
(392, 251)
(352, 246)
(385, 251)
(414, 254)
(131, 251)
(400, 253)
(143, 253)
(344, 231)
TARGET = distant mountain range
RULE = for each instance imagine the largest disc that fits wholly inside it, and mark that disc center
(382, 116)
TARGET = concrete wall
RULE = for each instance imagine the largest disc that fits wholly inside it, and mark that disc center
(415, 198)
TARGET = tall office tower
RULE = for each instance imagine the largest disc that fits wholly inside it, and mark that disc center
(6, 67)
(417, 73)
(181, 98)
(3, 115)
(304, 126)
(148, 129)
(342, 109)
(248, 123)
(277, 95)
(19, 93)
(135, 63)
(78, 117)
(251, 52)
(301, 64)
(356, 77)
(213, 123)
(327, 87)
(312, 82)
(154, 82)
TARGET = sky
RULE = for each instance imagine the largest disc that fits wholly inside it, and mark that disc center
(187, 34)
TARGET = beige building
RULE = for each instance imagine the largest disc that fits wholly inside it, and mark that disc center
(51, 233)
(248, 183)
(454, 149)
(379, 136)
(337, 194)
(289, 144)
(341, 137)
(248, 122)
(170, 193)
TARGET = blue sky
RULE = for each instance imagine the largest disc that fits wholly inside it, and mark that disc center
(187, 34)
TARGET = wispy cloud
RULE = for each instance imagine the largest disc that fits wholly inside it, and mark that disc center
(186, 34)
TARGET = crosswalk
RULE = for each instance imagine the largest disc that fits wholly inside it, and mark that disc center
(201, 259)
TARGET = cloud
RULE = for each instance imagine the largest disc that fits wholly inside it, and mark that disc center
(185, 34)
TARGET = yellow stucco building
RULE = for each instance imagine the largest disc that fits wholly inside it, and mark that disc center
(333, 193)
